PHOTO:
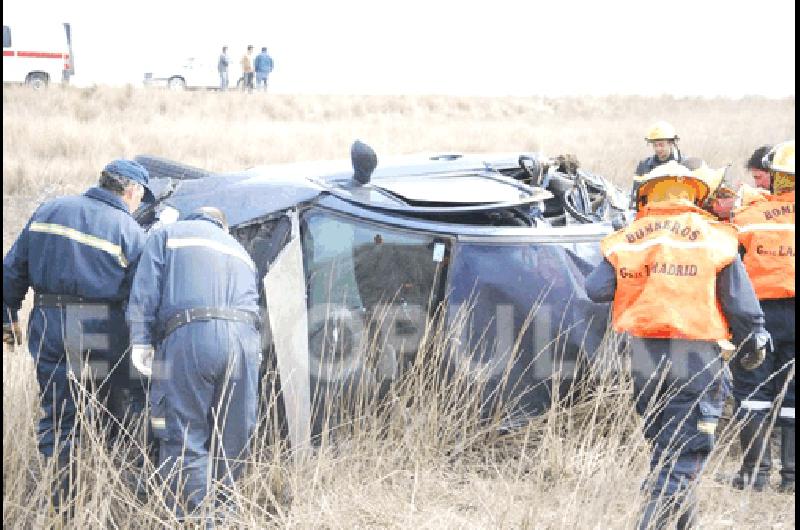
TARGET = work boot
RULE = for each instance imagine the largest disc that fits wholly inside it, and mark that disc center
(787, 460)
(753, 473)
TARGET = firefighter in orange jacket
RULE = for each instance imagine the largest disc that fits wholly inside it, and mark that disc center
(678, 285)
(766, 233)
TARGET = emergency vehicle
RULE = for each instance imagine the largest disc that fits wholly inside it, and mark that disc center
(37, 53)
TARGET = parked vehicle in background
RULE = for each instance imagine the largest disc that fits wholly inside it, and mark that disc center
(37, 53)
(195, 72)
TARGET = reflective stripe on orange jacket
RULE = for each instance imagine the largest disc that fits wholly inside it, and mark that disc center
(666, 264)
(766, 230)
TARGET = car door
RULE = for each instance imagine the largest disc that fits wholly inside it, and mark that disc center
(522, 315)
(369, 292)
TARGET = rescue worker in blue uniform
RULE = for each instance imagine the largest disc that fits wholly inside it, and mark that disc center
(677, 283)
(78, 254)
(193, 315)
(766, 225)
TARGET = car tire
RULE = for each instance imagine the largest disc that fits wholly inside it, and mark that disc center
(36, 81)
(176, 83)
(163, 168)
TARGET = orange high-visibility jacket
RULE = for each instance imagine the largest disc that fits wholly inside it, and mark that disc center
(766, 230)
(667, 263)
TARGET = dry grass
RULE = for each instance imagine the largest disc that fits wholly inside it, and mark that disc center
(418, 463)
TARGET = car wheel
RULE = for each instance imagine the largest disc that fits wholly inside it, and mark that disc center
(176, 83)
(159, 167)
(36, 81)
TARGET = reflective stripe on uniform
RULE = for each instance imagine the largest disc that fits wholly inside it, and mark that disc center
(158, 423)
(214, 245)
(756, 405)
(80, 237)
(787, 412)
(665, 241)
(767, 227)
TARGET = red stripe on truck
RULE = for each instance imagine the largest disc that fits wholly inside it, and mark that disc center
(8, 54)
(41, 55)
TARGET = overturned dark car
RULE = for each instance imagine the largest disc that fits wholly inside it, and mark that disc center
(361, 255)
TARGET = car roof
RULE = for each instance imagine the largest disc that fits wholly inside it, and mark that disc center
(420, 184)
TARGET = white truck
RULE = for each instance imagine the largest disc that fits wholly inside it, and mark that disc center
(194, 72)
(37, 53)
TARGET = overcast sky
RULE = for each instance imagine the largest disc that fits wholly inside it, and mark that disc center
(497, 47)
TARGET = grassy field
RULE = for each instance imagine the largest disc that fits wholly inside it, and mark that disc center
(429, 464)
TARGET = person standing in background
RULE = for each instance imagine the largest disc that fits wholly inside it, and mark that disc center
(663, 138)
(263, 67)
(222, 68)
(247, 69)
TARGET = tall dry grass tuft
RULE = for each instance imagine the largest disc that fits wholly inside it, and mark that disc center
(429, 450)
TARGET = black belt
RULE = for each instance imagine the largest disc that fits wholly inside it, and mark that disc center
(61, 300)
(208, 313)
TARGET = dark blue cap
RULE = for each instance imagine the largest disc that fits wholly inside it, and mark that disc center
(133, 171)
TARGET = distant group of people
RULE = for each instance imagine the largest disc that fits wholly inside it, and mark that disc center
(257, 69)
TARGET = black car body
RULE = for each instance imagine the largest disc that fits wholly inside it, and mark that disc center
(429, 236)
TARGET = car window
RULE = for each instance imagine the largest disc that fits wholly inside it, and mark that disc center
(6, 37)
(363, 278)
(522, 314)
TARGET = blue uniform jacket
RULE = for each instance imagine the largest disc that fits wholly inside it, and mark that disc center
(263, 63)
(85, 245)
(650, 163)
(188, 264)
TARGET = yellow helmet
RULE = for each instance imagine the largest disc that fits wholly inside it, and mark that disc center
(780, 161)
(670, 181)
(661, 131)
(781, 158)
(714, 178)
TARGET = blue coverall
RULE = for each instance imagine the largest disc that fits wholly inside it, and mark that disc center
(650, 163)
(203, 393)
(85, 246)
(680, 386)
(756, 392)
